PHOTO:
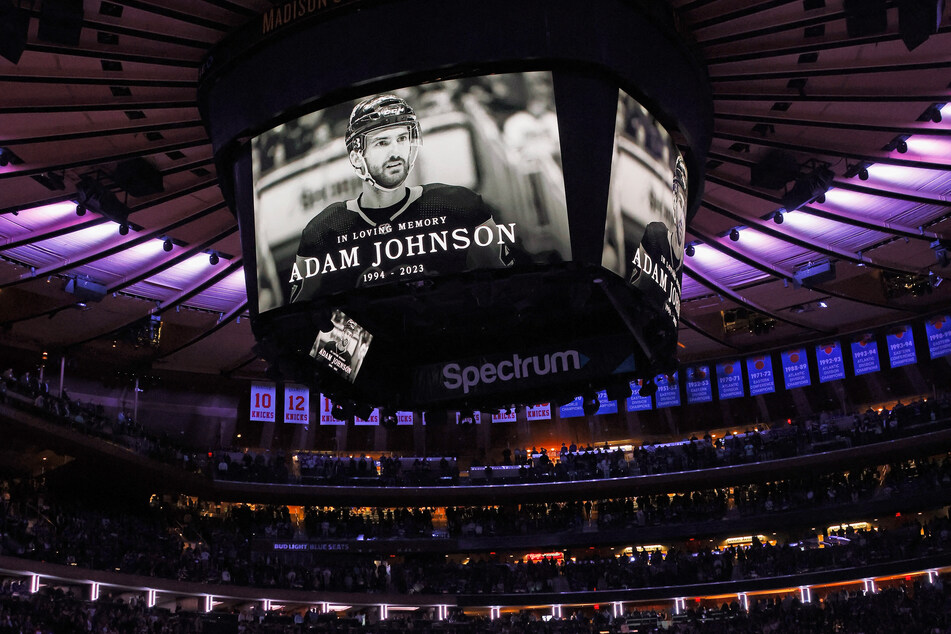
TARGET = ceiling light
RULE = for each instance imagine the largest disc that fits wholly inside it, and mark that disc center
(123, 229)
(902, 147)
(213, 258)
(80, 210)
(778, 217)
(863, 174)
(822, 304)
(167, 245)
(734, 234)
(690, 250)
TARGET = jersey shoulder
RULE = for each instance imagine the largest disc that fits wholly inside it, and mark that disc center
(462, 202)
(318, 232)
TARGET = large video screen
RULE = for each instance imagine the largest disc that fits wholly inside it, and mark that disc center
(647, 207)
(426, 181)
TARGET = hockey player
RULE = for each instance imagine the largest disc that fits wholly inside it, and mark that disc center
(393, 232)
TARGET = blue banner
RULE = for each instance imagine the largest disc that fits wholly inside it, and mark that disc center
(729, 380)
(638, 403)
(865, 355)
(699, 389)
(759, 370)
(938, 331)
(607, 406)
(795, 368)
(901, 347)
(573, 409)
(668, 390)
(829, 361)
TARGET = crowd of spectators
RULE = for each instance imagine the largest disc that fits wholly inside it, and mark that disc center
(918, 608)
(810, 435)
(188, 541)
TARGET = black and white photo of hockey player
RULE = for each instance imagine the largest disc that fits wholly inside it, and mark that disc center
(393, 231)
(343, 347)
(427, 181)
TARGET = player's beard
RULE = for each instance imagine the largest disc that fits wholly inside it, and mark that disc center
(389, 175)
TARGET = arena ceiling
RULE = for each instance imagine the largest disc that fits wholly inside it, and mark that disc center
(788, 78)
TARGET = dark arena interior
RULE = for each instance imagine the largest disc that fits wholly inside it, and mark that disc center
(527, 316)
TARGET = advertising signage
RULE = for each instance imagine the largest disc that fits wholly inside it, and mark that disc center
(759, 371)
(901, 347)
(729, 380)
(795, 368)
(829, 361)
(865, 355)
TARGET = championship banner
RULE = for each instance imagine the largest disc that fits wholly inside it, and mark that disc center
(538, 412)
(699, 389)
(829, 361)
(607, 406)
(296, 404)
(865, 355)
(404, 418)
(473, 418)
(759, 371)
(373, 420)
(635, 402)
(795, 368)
(668, 390)
(573, 409)
(729, 380)
(326, 406)
(938, 331)
(505, 416)
(263, 402)
(901, 347)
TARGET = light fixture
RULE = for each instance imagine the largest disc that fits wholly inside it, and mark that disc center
(778, 217)
(80, 210)
(734, 234)
(821, 198)
(863, 174)
(902, 147)
(213, 258)
(123, 229)
(822, 304)
(590, 403)
(648, 388)
(690, 250)
(167, 245)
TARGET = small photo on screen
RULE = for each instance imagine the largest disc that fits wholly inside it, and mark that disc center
(343, 347)
(419, 182)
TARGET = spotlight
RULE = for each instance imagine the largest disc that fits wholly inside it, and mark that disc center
(690, 251)
(590, 404)
(213, 258)
(778, 217)
(80, 210)
(863, 174)
(7, 157)
(822, 304)
(123, 229)
(821, 198)
(648, 388)
(734, 234)
(902, 147)
(363, 411)
(167, 245)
